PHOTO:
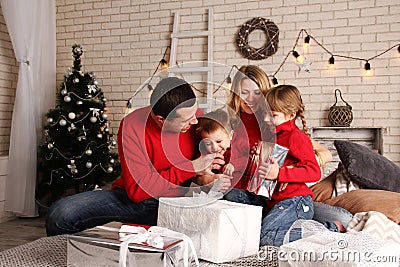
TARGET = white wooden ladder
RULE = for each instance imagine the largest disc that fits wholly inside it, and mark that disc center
(207, 67)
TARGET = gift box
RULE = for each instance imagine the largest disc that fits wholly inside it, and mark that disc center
(264, 151)
(108, 246)
(221, 230)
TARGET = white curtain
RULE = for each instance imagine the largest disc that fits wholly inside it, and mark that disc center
(32, 28)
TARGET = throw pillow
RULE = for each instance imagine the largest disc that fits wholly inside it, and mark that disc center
(323, 189)
(368, 168)
(361, 200)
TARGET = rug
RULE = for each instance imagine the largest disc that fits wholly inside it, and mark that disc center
(52, 252)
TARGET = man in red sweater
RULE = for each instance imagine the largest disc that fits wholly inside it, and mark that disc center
(157, 148)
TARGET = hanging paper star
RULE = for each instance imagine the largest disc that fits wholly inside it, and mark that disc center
(305, 66)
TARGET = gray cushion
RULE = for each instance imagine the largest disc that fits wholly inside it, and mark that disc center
(368, 168)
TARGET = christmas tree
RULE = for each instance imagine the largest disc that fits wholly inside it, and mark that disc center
(79, 152)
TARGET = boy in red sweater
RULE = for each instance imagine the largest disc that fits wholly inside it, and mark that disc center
(157, 148)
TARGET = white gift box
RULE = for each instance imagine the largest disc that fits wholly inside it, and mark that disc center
(221, 230)
(108, 246)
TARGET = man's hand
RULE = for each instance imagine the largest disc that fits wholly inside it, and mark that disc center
(228, 169)
(208, 162)
(203, 164)
(222, 183)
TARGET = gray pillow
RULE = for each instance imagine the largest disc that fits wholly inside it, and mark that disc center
(368, 168)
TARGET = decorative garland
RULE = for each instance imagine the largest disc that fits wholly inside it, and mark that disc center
(272, 38)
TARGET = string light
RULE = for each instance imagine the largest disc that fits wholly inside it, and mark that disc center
(367, 68)
(331, 62)
(162, 64)
(299, 58)
(306, 42)
(228, 79)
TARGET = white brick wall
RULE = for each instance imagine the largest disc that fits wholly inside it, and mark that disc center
(124, 40)
(124, 50)
(8, 78)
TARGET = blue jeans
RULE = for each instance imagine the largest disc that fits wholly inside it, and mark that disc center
(277, 221)
(88, 209)
(324, 213)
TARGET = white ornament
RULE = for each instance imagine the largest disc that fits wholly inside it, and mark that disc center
(112, 161)
(49, 145)
(88, 152)
(76, 80)
(104, 115)
(88, 165)
(79, 102)
(93, 119)
(104, 99)
(71, 115)
(114, 143)
(63, 122)
(106, 130)
(110, 169)
(99, 136)
(67, 98)
(64, 91)
(50, 120)
(95, 82)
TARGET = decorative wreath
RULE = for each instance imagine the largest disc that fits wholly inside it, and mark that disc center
(272, 38)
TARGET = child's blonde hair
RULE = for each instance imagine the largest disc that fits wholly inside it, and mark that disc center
(287, 99)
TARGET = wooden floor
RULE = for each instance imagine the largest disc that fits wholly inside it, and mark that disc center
(20, 231)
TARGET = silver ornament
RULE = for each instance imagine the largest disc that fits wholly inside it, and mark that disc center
(88, 152)
(79, 102)
(64, 91)
(74, 171)
(93, 119)
(114, 143)
(63, 122)
(76, 80)
(71, 115)
(67, 98)
(99, 136)
(95, 82)
(112, 161)
(104, 115)
(106, 130)
(49, 145)
(110, 169)
(104, 99)
(50, 120)
(88, 165)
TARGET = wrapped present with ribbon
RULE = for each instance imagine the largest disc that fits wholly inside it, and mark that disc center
(264, 151)
(221, 230)
(117, 244)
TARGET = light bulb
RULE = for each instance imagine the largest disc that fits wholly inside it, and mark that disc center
(331, 62)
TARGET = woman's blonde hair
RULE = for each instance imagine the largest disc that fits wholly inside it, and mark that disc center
(252, 72)
(287, 99)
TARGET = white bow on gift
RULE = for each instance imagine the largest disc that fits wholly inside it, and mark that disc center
(153, 237)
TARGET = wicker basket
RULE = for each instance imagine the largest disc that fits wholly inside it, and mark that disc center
(340, 115)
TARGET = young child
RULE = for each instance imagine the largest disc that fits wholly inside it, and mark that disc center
(300, 166)
(216, 132)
